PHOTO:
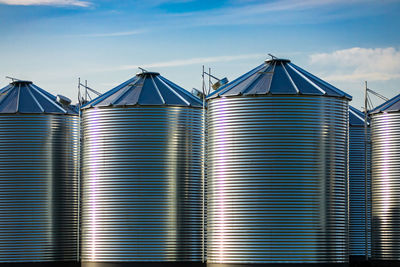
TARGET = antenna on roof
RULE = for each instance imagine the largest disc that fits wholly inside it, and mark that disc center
(368, 102)
(272, 56)
(13, 79)
(83, 99)
(143, 70)
(219, 82)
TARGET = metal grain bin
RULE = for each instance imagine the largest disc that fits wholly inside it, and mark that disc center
(142, 175)
(360, 225)
(38, 177)
(385, 137)
(277, 166)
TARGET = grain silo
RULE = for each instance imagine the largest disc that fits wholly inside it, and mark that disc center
(385, 138)
(142, 187)
(277, 169)
(39, 138)
(359, 197)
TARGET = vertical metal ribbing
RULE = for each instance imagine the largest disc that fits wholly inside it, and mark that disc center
(357, 191)
(38, 188)
(277, 171)
(142, 184)
(385, 137)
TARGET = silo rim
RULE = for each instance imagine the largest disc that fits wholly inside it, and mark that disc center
(138, 106)
(39, 113)
(372, 113)
(278, 95)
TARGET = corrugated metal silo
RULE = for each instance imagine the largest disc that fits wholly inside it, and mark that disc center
(142, 175)
(39, 139)
(277, 167)
(359, 248)
(385, 137)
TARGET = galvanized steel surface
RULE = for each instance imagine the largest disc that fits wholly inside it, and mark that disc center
(357, 191)
(277, 179)
(142, 184)
(385, 135)
(38, 188)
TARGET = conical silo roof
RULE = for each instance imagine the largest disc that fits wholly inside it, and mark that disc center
(278, 77)
(146, 89)
(356, 117)
(391, 105)
(26, 97)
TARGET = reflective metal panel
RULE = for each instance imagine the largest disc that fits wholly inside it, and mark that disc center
(357, 191)
(142, 184)
(38, 188)
(385, 134)
(277, 171)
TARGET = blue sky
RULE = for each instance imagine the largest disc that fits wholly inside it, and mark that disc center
(53, 42)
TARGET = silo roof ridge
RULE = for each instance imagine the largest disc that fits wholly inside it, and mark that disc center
(27, 98)
(278, 77)
(356, 117)
(392, 105)
(146, 89)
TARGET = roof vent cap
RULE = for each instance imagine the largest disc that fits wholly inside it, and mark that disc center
(147, 74)
(63, 100)
(283, 60)
(275, 59)
(197, 93)
(17, 82)
(220, 83)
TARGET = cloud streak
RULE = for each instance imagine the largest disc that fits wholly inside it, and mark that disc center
(279, 12)
(192, 61)
(60, 3)
(358, 64)
(113, 34)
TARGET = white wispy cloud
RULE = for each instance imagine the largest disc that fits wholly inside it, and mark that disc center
(78, 3)
(358, 64)
(113, 34)
(160, 2)
(280, 12)
(285, 5)
(192, 61)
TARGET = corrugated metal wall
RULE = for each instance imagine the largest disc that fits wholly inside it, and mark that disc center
(142, 184)
(357, 191)
(277, 179)
(385, 135)
(38, 188)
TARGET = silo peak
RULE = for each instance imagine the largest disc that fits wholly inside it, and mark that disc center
(282, 60)
(147, 74)
(20, 82)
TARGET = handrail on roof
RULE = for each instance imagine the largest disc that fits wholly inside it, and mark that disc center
(13, 79)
